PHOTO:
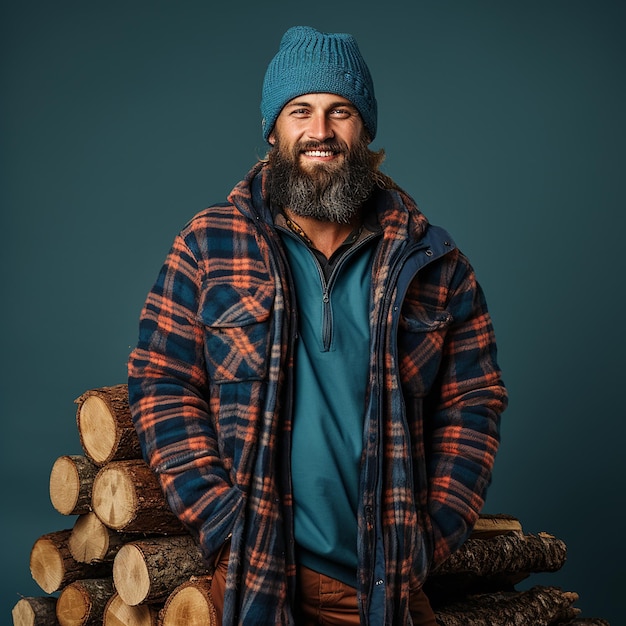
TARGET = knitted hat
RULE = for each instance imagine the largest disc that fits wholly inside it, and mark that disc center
(309, 61)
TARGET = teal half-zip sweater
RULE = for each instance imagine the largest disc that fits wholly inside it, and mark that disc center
(331, 362)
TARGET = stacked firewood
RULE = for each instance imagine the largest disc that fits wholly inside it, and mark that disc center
(127, 560)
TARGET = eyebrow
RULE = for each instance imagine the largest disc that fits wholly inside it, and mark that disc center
(338, 103)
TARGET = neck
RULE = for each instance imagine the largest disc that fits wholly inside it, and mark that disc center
(324, 236)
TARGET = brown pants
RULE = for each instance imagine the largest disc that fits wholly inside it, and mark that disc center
(324, 600)
(327, 601)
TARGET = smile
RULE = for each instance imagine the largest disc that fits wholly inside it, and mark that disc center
(318, 153)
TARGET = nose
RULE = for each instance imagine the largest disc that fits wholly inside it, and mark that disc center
(320, 127)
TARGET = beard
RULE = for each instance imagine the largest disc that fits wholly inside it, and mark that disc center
(329, 192)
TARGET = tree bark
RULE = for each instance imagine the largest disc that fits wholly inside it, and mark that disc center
(118, 613)
(511, 553)
(539, 606)
(53, 567)
(82, 602)
(38, 611)
(71, 481)
(105, 425)
(127, 496)
(190, 604)
(495, 564)
(147, 571)
(91, 541)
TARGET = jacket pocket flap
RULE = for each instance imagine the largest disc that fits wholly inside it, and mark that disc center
(226, 305)
(419, 319)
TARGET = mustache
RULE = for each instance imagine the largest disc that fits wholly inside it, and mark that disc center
(334, 146)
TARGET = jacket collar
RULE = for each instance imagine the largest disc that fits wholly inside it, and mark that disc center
(395, 210)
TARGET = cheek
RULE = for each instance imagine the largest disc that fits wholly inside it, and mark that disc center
(356, 137)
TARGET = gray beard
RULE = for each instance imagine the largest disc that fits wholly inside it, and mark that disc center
(326, 193)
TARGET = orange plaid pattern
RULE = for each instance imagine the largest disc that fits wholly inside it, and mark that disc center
(210, 397)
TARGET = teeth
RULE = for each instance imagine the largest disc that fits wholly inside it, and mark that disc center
(319, 153)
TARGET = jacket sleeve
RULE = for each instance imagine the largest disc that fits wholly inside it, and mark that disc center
(168, 394)
(463, 414)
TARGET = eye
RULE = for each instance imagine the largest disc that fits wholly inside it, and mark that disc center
(341, 113)
(299, 113)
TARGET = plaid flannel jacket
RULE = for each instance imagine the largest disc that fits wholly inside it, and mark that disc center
(209, 385)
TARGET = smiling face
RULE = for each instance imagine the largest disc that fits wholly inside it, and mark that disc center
(320, 164)
(319, 129)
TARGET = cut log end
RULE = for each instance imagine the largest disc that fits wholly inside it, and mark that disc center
(35, 612)
(118, 613)
(73, 607)
(131, 576)
(114, 498)
(89, 540)
(53, 567)
(190, 605)
(23, 613)
(97, 429)
(127, 496)
(64, 485)
(148, 570)
(82, 603)
(105, 425)
(71, 480)
(46, 565)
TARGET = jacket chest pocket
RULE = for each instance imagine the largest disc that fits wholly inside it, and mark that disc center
(421, 337)
(236, 322)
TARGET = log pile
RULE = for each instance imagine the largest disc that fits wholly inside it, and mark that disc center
(127, 561)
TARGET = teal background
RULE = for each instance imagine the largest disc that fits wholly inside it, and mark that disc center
(505, 120)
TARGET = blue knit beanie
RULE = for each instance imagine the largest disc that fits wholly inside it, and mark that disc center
(309, 61)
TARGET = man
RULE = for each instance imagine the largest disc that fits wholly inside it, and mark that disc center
(315, 382)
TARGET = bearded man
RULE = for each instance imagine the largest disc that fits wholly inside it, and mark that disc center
(315, 383)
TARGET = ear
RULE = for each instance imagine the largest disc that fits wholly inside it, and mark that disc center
(271, 139)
